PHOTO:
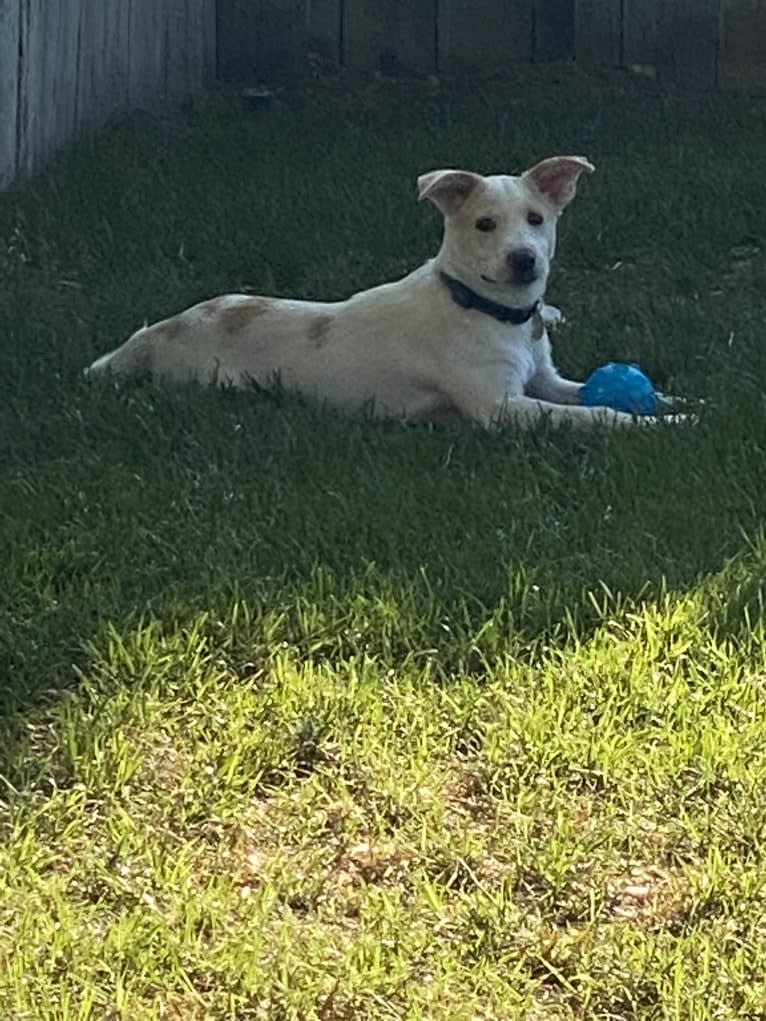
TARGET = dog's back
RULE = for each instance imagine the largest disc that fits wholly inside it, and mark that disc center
(361, 351)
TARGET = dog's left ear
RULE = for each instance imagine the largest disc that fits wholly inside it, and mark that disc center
(556, 178)
(447, 189)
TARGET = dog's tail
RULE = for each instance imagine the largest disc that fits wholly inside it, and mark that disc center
(100, 366)
(133, 358)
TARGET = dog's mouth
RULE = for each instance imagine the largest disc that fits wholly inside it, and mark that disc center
(517, 279)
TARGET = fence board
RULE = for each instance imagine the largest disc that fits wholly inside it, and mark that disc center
(114, 80)
(210, 40)
(32, 103)
(197, 44)
(644, 32)
(179, 45)
(323, 19)
(146, 38)
(694, 54)
(598, 32)
(484, 34)
(273, 37)
(62, 54)
(553, 33)
(677, 39)
(742, 59)
(189, 48)
(390, 35)
(92, 97)
(9, 61)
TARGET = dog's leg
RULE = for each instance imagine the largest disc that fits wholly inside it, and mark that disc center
(554, 389)
(546, 384)
(549, 386)
(528, 412)
(551, 315)
(672, 402)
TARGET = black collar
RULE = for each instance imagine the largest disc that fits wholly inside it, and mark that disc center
(463, 295)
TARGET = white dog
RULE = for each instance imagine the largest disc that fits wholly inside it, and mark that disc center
(463, 333)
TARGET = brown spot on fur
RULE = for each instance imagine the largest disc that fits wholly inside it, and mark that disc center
(238, 316)
(233, 314)
(318, 329)
(212, 306)
(171, 328)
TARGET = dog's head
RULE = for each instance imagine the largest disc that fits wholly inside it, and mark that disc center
(500, 231)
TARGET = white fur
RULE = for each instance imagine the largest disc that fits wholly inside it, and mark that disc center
(403, 348)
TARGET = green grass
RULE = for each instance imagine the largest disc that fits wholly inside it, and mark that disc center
(314, 718)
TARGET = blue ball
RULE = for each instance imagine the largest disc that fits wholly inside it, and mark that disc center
(622, 387)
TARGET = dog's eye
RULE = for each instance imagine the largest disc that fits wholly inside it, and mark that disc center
(534, 219)
(485, 224)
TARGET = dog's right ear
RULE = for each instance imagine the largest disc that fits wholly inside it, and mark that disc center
(447, 189)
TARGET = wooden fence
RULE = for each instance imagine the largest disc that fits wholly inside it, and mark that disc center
(691, 43)
(66, 65)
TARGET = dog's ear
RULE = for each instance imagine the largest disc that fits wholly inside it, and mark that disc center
(447, 189)
(556, 178)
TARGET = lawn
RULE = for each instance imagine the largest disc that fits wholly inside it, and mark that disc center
(307, 717)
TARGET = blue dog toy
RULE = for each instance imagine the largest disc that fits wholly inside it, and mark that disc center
(622, 387)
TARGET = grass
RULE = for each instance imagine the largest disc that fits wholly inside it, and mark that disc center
(314, 718)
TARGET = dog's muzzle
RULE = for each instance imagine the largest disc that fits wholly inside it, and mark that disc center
(523, 265)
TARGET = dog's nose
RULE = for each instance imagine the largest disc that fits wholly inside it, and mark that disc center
(523, 265)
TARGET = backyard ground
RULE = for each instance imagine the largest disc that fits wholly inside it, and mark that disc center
(314, 718)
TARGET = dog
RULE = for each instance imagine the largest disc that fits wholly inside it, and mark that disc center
(463, 334)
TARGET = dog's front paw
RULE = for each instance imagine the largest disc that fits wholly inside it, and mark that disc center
(551, 315)
(671, 401)
(666, 402)
(679, 419)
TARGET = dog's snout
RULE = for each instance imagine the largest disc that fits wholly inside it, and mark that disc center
(523, 265)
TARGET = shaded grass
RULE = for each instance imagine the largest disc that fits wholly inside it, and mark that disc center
(306, 717)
